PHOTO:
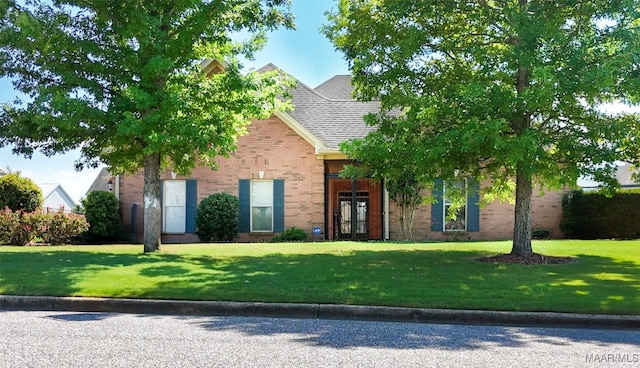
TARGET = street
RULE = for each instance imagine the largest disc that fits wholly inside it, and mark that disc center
(73, 339)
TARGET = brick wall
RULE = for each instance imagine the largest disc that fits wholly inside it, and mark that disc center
(496, 219)
(271, 146)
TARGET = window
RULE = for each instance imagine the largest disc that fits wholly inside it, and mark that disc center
(452, 193)
(261, 206)
(467, 217)
(178, 206)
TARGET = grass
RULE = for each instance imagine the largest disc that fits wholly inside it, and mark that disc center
(605, 278)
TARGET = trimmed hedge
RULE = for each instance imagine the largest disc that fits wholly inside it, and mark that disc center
(596, 216)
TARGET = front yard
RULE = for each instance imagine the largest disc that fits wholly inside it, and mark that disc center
(604, 278)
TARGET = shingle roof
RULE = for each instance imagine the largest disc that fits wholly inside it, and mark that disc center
(329, 112)
(337, 88)
(101, 182)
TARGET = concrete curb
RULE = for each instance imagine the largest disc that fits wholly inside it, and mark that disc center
(319, 311)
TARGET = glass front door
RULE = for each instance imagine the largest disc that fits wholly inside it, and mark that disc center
(347, 213)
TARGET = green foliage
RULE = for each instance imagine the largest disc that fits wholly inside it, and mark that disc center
(217, 218)
(540, 233)
(507, 91)
(408, 193)
(19, 194)
(292, 234)
(600, 216)
(22, 228)
(125, 82)
(60, 227)
(102, 211)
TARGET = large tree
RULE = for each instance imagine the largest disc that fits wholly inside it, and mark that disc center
(123, 82)
(506, 90)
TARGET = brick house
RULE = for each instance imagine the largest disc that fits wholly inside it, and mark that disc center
(285, 173)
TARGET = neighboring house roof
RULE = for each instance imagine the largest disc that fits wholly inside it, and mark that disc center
(624, 175)
(101, 182)
(55, 196)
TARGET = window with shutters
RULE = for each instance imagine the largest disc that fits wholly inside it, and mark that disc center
(261, 206)
(467, 214)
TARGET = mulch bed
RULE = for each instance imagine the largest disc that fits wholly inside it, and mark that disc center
(530, 259)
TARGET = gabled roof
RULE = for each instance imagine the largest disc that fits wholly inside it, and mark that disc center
(325, 116)
(338, 88)
(101, 182)
(328, 113)
(57, 193)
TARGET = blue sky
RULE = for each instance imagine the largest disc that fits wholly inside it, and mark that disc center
(304, 53)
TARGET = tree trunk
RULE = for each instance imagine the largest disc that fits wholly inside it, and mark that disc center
(152, 203)
(522, 229)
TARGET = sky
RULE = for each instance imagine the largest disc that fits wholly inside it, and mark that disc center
(304, 53)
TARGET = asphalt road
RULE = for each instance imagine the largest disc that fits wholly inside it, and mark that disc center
(78, 339)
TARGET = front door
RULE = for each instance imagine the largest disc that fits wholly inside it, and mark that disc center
(353, 208)
(352, 216)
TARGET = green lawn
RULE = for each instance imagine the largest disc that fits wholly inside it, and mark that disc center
(605, 278)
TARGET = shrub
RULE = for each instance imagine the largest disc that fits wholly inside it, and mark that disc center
(17, 227)
(102, 211)
(289, 235)
(217, 218)
(541, 234)
(596, 216)
(19, 194)
(60, 227)
(21, 228)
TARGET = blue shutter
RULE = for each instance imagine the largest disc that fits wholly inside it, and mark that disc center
(437, 207)
(278, 206)
(244, 199)
(191, 204)
(473, 208)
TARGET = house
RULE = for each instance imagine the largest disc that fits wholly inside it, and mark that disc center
(103, 181)
(55, 197)
(624, 175)
(285, 173)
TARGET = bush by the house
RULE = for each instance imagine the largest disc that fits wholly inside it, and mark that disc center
(102, 210)
(290, 235)
(217, 218)
(21, 228)
(596, 216)
(19, 194)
